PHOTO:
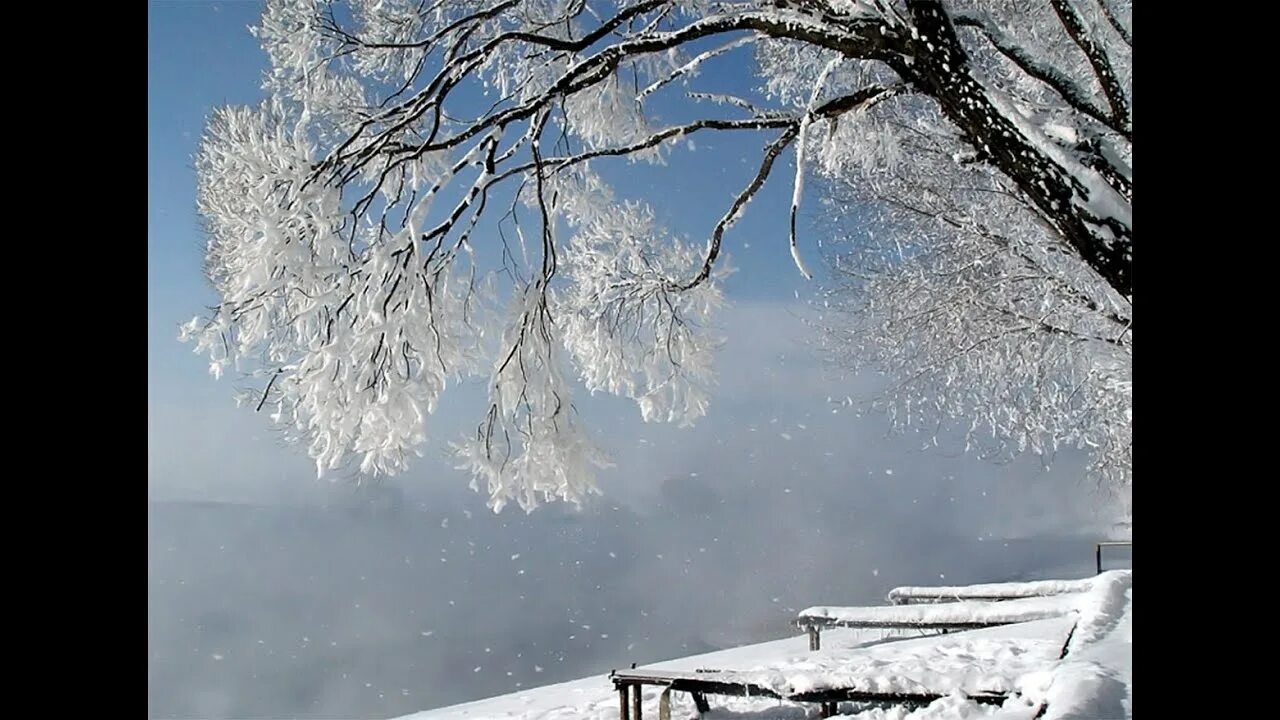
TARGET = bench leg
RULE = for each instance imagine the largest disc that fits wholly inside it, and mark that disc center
(700, 702)
(815, 642)
(624, 710)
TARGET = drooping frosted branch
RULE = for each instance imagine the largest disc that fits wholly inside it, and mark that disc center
(359, 220)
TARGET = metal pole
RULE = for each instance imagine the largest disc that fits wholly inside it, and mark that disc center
(1099, 552)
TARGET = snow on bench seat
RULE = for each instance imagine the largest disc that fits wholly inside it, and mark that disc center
(962, 615)
(993, 592)
(746, 684)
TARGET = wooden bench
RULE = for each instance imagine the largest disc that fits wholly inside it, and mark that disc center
(993, 592)
(701, 683)
(962, 615)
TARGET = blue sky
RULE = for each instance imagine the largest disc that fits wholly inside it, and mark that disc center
(201, 55)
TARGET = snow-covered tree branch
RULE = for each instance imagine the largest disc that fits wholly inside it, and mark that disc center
(960, 284)
(350, 215)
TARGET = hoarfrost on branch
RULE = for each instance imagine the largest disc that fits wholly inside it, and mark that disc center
(350, 215)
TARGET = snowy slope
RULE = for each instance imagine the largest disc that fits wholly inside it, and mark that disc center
(1092, 682)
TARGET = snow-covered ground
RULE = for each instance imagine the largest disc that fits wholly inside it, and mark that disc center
(1092, 682)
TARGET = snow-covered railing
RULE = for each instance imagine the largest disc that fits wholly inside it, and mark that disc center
(989, 592)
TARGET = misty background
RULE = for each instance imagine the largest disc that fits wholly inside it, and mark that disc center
(274, 594)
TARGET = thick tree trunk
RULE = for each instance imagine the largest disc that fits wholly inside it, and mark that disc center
(938, 66)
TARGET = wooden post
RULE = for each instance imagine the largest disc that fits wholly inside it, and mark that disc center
(636, 710)
(814, 642)
(1099, 554)
(623, 710)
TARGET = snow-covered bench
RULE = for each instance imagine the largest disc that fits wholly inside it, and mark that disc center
(983, 665)
(989, 592)
(701, 683)
(961, 615)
